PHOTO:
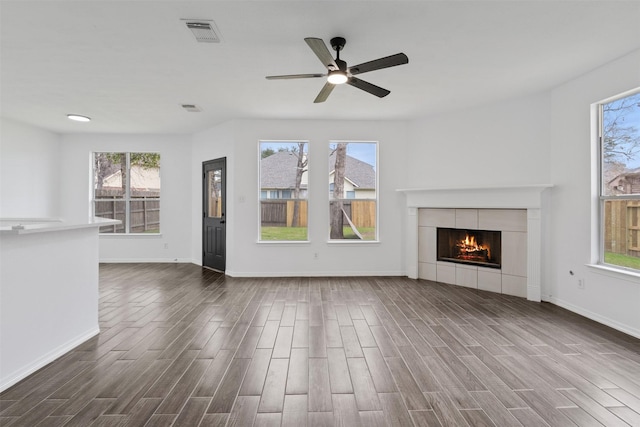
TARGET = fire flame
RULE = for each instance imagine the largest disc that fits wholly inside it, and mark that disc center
(469, 245)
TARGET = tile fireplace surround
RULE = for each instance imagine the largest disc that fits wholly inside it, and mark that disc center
(426, 204)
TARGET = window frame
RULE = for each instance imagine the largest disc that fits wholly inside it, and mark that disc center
(126, 198)
(376, 168)
(304, 192)
(602, 199)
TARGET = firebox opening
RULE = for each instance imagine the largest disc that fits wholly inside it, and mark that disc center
(476, 247)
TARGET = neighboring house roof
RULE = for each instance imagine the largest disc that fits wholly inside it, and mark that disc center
(279, 170)
(360, 173)
(141, 178)
(630, 173)
(627, 182)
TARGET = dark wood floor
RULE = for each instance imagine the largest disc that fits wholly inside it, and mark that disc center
(185, 346)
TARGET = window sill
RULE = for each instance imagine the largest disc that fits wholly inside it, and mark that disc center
(283, 242)
(352, 242)
(616, 273)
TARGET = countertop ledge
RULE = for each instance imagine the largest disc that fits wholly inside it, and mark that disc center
(9, 226)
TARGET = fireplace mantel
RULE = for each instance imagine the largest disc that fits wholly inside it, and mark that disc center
(499, 197)
(529, 197)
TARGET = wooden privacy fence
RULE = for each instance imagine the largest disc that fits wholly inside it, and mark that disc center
(622, 227)
(144, 212)
(279, 213)
(362, 212)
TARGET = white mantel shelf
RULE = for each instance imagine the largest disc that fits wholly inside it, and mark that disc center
(476, 188)
(498, 197)
(529, 197)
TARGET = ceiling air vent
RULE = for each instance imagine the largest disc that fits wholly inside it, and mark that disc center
(203, 31)
(192, 108)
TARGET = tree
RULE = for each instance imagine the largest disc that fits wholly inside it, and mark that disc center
(109, 163)
(620, 140)
(145, 160)
(301, 168)
(267, 152)
(337, 219)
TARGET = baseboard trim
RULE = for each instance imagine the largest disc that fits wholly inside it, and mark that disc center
(32, 367)
(145, 260)
(233, 273)
(315, 274)
(595, 317)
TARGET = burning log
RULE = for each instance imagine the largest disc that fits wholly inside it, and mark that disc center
(469, 249)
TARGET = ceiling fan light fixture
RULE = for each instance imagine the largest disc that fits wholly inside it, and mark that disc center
(337, 77)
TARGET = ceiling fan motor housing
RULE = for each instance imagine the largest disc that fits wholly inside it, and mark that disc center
(338, 43)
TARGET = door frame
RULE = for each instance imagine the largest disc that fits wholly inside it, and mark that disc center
(205, 202)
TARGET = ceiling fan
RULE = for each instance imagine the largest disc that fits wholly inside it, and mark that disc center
(339, 73)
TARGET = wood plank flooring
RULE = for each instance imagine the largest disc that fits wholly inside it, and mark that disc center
(184, 346)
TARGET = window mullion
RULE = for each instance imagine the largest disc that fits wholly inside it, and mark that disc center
(127, 195)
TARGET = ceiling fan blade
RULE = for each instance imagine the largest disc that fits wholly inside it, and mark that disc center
(377, 64)
(324, 93)
(368, 87)
(322, 52)
(295, 76)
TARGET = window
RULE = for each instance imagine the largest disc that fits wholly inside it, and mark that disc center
(283, 190)
(126, 186)
(353, 195)
(620, 181)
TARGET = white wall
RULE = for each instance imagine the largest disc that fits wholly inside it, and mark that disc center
(506, 143)
(247, 257)
(29, 165)
(610, 298)
(175, 202)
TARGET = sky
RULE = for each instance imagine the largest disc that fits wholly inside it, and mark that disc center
(364, 151)
(631, 119)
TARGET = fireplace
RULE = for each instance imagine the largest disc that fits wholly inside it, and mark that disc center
(516, 210)
(476, 247)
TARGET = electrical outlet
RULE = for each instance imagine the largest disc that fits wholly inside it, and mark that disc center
(316, 255)
(580, 283)
(166, 246)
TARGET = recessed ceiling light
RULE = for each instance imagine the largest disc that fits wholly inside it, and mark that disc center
(78, 118)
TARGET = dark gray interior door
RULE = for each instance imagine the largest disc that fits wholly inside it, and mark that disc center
(213, 214)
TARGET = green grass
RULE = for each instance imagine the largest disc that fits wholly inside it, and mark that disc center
(284, 233)
(622, 260)
(300, 233)
(368, 233)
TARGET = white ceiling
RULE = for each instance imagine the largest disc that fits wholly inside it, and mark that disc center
(131, 64)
